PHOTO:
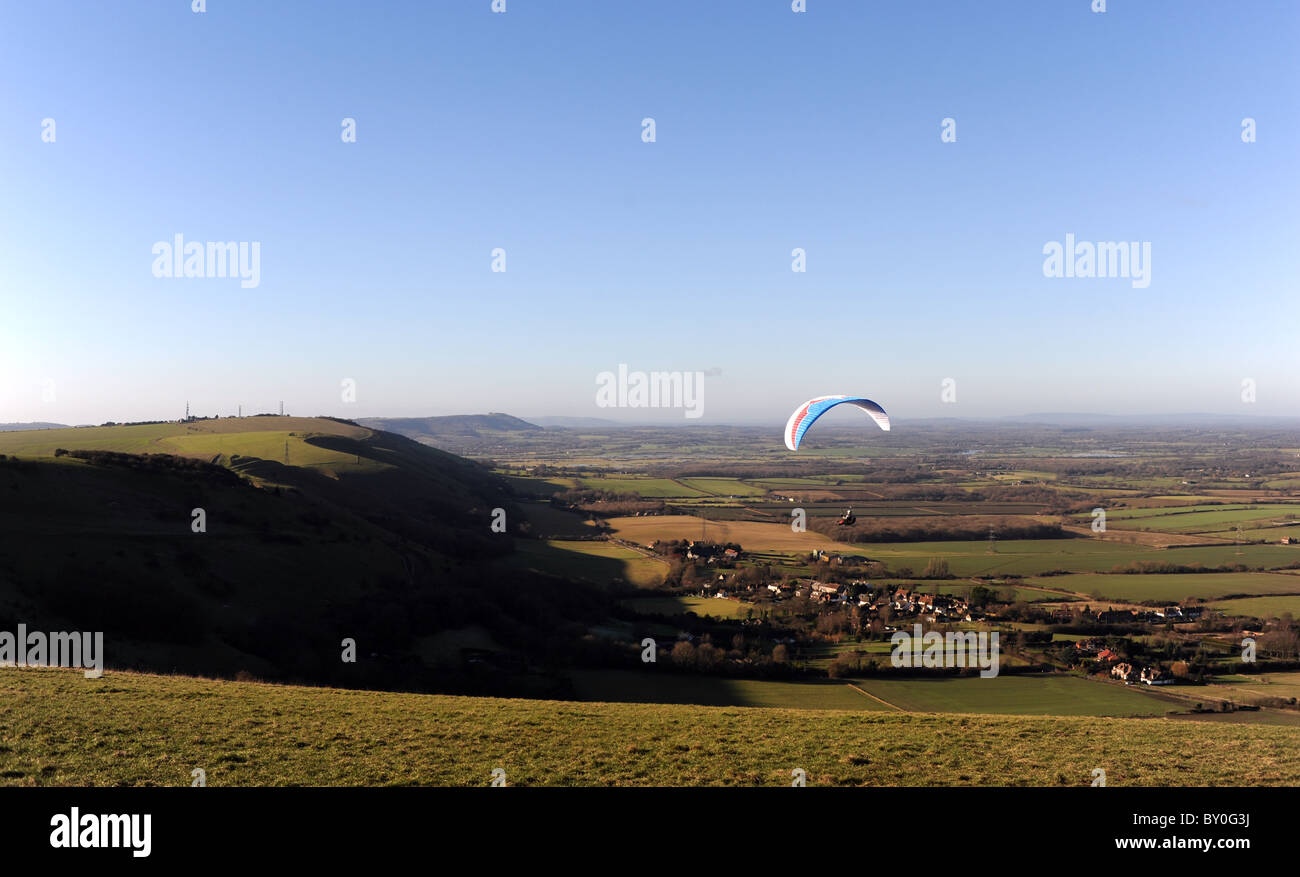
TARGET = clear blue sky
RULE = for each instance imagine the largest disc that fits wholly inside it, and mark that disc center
(775, 130)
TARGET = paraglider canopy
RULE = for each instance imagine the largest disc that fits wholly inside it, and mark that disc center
(806, 415)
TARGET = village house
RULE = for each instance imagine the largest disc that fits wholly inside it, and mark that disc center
(1155, 676)
(780, 590)
(1087, 648)
(903, 602)
(702, 551)
(828, 592)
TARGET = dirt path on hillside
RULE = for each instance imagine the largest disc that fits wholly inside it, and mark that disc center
(873, 697)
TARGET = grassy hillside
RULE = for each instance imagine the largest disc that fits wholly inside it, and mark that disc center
(244, 435)
(596, 562)
(362, 534)
(59, 728)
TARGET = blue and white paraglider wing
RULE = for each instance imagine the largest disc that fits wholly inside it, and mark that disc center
(806, 415)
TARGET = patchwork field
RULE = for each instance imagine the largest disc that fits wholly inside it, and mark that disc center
(661, 727)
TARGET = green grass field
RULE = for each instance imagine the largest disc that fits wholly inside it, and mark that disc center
(648, 487)
(1254, 689)
(1255, 530)
(723, 486)
(59, 728)
(1175, 587)
(250, 436)
(1027, 595)
(1260, 607)
(1030, 557)
(1019, 695)
(1203, 520)
(278, 439)
(1036, 694)
(677, 688)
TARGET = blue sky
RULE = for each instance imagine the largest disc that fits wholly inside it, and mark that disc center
(775, 130)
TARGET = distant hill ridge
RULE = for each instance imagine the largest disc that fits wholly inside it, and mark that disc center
(575, 422)
(455, 424)
(15, 427)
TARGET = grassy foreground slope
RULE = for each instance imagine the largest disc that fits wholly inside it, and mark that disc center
(59, 728)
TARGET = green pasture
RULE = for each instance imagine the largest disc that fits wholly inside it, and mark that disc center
(1199, 520)
(1019, 695)
(1261, 607)
(61, 729)
(617, 686)
(1028, 557)
(723, 487)
(653, 488)
(1174, 588)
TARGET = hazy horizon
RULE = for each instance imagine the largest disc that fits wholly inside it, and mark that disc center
(834, 421)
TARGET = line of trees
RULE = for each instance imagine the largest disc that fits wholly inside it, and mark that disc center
(937, 528)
